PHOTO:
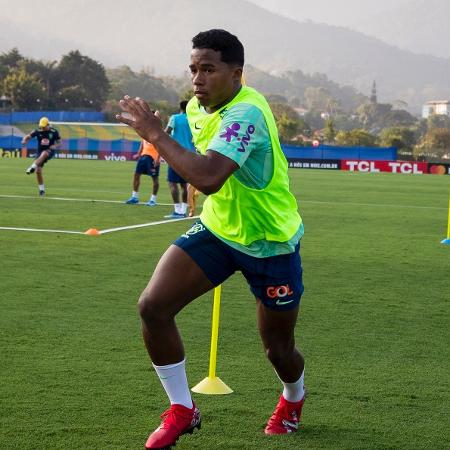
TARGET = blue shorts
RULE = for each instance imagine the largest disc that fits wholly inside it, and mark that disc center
(173, 177)
(276, 280)
(50, 153)
(146, 165)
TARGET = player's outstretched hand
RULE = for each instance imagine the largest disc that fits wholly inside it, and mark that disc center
(138, 115)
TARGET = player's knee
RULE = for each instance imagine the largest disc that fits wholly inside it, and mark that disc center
(149, 310)
(145, 307)
(278, 352)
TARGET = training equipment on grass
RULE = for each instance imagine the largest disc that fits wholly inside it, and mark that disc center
(213, 384)
(447, 241)
(92, 232)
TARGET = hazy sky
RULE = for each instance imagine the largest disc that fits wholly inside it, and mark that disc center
(333, 12)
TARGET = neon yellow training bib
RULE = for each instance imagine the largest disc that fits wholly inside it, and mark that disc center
(237, 212)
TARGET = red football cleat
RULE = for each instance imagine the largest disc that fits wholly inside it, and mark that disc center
(285, 418)
(176, 421)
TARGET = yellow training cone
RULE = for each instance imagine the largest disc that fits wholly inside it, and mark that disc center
(213, 386)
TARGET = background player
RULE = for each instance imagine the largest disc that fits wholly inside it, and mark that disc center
(48, 140)
(178, 128)
(148, 163)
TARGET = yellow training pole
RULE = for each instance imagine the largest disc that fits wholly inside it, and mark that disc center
(214, 332)
(212, 384)
(448, 225)
(447, 241)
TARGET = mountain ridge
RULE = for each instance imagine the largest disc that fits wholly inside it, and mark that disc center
(157, 36)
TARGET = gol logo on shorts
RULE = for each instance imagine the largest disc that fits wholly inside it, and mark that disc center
(279, 291)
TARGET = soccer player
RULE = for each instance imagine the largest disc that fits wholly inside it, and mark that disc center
(178, 128)
(148, 164)
(48, 140)
(249, 223)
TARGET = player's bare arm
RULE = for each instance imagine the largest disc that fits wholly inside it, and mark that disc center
(25, 139)
(206, 172)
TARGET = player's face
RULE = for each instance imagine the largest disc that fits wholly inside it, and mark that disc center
(214, 81)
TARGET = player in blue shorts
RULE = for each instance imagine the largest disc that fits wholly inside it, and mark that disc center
(249, 223)
(48, 140)
(148, 163)
(178, 128)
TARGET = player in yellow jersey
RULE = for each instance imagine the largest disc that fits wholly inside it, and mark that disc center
(249, 223)
(148, 163)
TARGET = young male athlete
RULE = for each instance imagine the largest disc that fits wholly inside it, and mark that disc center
(178, 128)
(148, 160)
(249, 223)
(48, 140)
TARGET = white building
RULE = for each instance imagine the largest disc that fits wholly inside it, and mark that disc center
(436, 107)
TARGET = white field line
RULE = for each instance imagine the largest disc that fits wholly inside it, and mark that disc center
(68, 199)
(142, 225)
(42, 230)
(110, 230)
(376, 205)
(131, 227)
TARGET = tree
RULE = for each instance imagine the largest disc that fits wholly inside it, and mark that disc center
(438, 121)
(356, 138)
(85, 76)
(47, 73)
(276, 98)
(345, 122)
(401, 137)
(329, 131)
(139, 84)
(434, 145)
(74, 96)
(9, 60)
(371, 114)
(24, 90)
(287, 128)
(289, 124)
(397, 118)
(318, 99)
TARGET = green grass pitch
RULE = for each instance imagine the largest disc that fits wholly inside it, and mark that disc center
(374, 323)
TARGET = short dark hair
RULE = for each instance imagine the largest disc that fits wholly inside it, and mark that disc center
(229, 46)
(183, 105)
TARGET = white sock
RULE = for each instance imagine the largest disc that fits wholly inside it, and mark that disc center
(153, 198)
(177, 207)
(41, 187)
(294, 392)
(34, 166)
(174, 381)
(135, 194)
(184, 207)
